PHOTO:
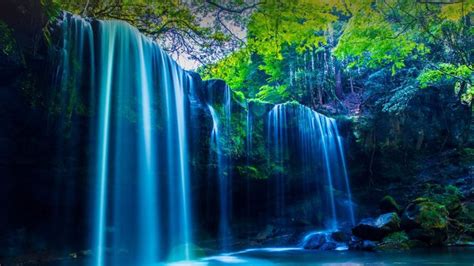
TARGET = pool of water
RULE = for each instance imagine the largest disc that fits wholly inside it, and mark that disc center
(295, 256)
(301, 257)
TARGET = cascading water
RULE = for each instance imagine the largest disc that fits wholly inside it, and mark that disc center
(300, 136)
(219, 135)
(142, 207)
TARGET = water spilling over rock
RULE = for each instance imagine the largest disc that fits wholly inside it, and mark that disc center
(300, 136)
(141, 206)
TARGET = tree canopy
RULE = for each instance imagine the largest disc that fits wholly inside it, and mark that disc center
(314, 51)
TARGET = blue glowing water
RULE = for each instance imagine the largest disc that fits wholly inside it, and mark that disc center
(139, 104)
(141, 209)
(219, 134)
(299, 135)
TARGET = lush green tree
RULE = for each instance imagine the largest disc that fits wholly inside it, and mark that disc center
(311, 50)
(178, 26)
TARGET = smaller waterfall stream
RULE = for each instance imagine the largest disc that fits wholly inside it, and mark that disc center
(220, 135)
(300, 136)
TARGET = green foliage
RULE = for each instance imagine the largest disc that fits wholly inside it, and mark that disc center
(389, 204)
(7, 41)
(460, 75)
(445, 71)
(281, 36)
(432, 215)
(371, 41)
(251, 172)
(448, 196)
(176, 25)
(234, 69)
(437, 204)
(295, 50)
(396, 241)
(274, 94)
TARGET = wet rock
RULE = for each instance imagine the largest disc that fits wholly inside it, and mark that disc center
(320, 241)
(328, 246)
(340, 236)
(366, 245)
(426, 221)
(433, 237)
(377, 229)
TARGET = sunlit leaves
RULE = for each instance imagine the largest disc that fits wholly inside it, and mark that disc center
(280, 24)
(233, 69)
(273, 93)
(371, 41)
(457, 11)
(445, 71)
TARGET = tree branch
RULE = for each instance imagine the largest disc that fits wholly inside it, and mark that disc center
(232, 10)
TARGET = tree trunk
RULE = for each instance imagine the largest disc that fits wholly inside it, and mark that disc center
(339, 92)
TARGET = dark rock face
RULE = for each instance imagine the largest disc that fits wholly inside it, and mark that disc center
(388, 204)
(341, 236)
(365, 245)
(433, 237)
(377, 229)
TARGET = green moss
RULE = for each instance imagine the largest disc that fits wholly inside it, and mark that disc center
(239, 97)
(397, 240)
(448, 196)
(251, 172)
(432, 215)
(7, 42)
(467, 155)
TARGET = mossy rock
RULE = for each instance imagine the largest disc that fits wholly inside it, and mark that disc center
(432, 215)
(448, 196)
(395, 241)
(388, 204)
(426, 221)
(258, 108)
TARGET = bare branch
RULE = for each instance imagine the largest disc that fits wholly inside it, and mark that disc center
(232, 10)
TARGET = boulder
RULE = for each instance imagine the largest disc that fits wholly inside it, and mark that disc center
(426, 221)
(432, 237)
(319, 241)
(377, 229)
(341, 236)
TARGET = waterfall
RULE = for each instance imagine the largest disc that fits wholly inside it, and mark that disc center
(299, 136)
(138, 99)
(220, 135)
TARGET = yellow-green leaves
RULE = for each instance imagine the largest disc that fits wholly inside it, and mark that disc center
(273, 93)
(444, 71)
(233, 69)
(279, 24)
(369, 40)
